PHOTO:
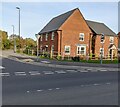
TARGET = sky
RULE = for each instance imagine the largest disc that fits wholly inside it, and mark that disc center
(35, 15)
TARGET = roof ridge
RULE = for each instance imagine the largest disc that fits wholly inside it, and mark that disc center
(95, 21)
(65, 13)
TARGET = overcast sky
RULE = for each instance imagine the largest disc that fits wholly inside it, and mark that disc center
(35, 15)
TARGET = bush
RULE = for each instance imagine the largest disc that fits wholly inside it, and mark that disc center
(76, 58)
(46, 55)
(59, 57)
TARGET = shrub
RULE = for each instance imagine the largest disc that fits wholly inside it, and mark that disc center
(76, 58)
(59, 57)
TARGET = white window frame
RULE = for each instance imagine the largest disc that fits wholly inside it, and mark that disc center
(103, 51)
(46, 36)
(69, 50)
(81, 35)
(111, 39)
(79, 47)
(52, 36)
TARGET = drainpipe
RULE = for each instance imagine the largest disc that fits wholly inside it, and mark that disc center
(60, 41)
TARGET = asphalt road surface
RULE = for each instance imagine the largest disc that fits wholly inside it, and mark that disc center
(26, 84)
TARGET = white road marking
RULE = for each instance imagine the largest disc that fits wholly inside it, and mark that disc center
(1, 67)
(34, 73)
(84, 71)
(20, 73)
(28, 91)
(108, 83)
(39, 90)
(89, 69)
(48, 72)
(4, 74)
(49, 89)
(82, 85)
(71, 71)
(103, 70)
(96, 84)
(60, 72)
(57, 88)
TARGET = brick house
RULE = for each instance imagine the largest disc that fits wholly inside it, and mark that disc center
(119, 42)
(69, 34)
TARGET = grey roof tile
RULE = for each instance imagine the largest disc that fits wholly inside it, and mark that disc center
(56, 22)
(100, 28)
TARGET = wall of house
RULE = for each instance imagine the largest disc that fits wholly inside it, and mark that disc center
(119, 40)
(106, 44)
(71, 29)
(49, 42)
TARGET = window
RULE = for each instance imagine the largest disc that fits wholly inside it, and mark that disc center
(111, 40)
(81, 50)
(52, 36)
(41, 38)
(102, 51)
(67, 49)
(81, 37)
(46, 37)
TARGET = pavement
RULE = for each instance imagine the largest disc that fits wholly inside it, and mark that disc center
(54, 63)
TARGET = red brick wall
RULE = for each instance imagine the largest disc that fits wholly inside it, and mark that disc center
(49, 42)
(105, 46)
(119, 40)
(70, 32)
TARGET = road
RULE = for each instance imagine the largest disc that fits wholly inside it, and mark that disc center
(27, 84)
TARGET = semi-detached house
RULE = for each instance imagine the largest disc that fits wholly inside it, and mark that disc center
(69, 34)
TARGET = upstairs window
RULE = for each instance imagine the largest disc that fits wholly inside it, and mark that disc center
(52, 36)
(46, 37)
(81, 36)
(111, 40)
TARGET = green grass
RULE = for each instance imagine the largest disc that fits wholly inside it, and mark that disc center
(83, 61)
(98, 61)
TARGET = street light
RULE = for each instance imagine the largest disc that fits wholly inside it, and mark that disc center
(19, 26)
(37, 36)
(14, 39)
(102, 42)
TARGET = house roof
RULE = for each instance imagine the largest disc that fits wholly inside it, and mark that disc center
(56, 22)
(100, 28)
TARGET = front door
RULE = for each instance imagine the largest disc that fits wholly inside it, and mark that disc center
(110, 53)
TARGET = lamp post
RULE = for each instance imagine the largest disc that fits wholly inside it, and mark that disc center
(14, 39)
(37, 36)
(102, 42)
(19, 27)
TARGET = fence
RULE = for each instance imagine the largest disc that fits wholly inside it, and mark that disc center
(56, 55)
